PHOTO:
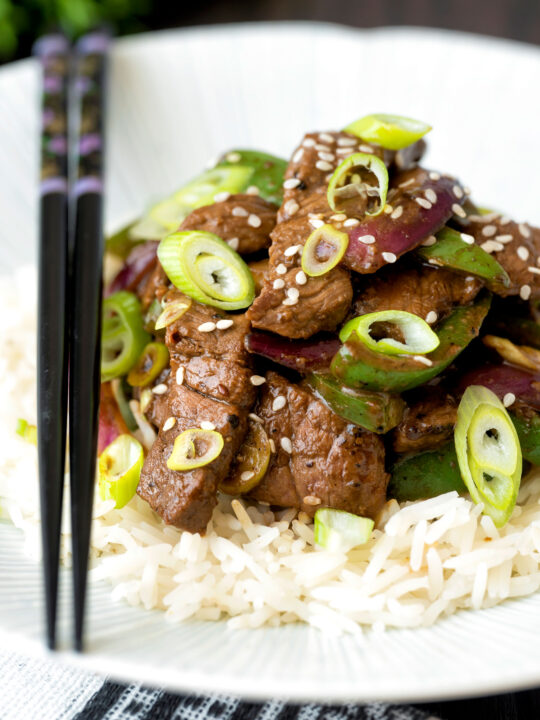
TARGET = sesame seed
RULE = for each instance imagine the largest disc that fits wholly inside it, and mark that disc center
(239, 211)
(431, 240)
(255, 418)
(525, 292)
(398, 212)
(309, 142)
(234, 157)
(169, 423)
(222, 196)
(410, 181)
(423, 203)
(291, 207)
(504, 238)
(388, 209)
(290, 301)
(180, 375)
(458, 210)
(339, 217)
(523, 253)
(351, 222)
(252, 190)
(279, 403)
(346, 141)
(314, 222)
(207, 327)
(291, 183)
(488, 246)
(432, 261)
(504, 220)
(509, 399)
(524, 230)
(281, 269)
(159, 389)
(431, 195)
(321, 148)
(247, 475)
(323, 165)
(434, 176)
(365, 148)
(534, 270)
(489, 231)
(467, 238)
(389, 257)
(286, 444)
(458, 192)
(497, 246)
(293, 293)
(224, 324)
(233, 243)
(257, 380)
(344, 151)
(423, 359)
(298, 155)
(301, 278)
(292, 250)
(207, 425)
(312, 500)
(467, 190)
(431, 317)
(254, 221)
(367, 239)
(278, 284)
(327, 156)
(272, 445)
(325, 137)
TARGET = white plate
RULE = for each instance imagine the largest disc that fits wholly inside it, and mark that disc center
(179, 98)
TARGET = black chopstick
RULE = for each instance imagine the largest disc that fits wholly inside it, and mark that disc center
(54, 53)
(85, 323)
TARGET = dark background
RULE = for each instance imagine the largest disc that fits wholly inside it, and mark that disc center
(21, 21)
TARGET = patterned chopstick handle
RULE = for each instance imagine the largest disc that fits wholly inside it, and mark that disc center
(90, 91)
(53, 52)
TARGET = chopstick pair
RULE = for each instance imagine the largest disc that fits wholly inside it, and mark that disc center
(69, 300)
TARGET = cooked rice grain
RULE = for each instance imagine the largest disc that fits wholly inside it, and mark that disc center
(256, 567)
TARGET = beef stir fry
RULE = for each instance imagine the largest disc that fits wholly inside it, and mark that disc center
(322, 335)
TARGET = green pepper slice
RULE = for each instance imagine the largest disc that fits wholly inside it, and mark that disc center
(358, 366)
(426, 474)
(453, 250)
(393, 132)
(267, 172)
(153, 359)
(349, 182)
(528, 430)
(123, 336)
(377, 412)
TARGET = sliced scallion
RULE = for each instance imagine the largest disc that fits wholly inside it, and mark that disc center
(488, 452)
(123, 336)
(204, 267)
(323, 250)
(172, 311)
(419, 338)
(357, 182)
(393, 132)
(195, 448)
(120, 467)
(337, 530)
(27, 431)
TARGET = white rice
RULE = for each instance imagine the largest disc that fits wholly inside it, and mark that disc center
(255, 567)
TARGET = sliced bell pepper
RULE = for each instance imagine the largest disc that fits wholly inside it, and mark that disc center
(358, 366)
(426, 474)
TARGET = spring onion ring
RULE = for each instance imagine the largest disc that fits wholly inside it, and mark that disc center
(488, 452)
(340, 531)
(195, 448)
(151, 362)
(349, 183)
(204, 267)
(120, 467)
(27, 431)
(419, 337)
(393, 132)
(323, 250)
(123, 336)
(172, 311)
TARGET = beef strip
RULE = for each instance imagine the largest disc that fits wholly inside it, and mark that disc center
(186, 499)
(427, 423)
(418, 290)
(516, 246)
(331, 463)
(243, 221)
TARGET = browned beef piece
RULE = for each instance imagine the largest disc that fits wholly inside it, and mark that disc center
(155, 285)
(331, 463)
(427, 423)
(259, 271)
(418, 290)
(186, 499)
(321, 303)
(516, 246)
(244, 221)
